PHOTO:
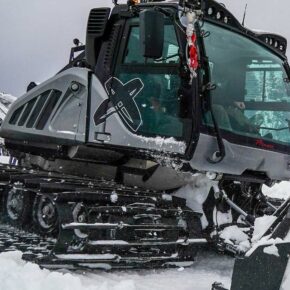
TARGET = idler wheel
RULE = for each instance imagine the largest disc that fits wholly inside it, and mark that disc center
(17, 205)
(45, 215)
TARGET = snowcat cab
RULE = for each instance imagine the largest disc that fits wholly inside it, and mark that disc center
(113, 104)
(161, 92)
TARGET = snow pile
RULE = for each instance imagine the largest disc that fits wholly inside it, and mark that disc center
(164, 142)
(114, 197)
(195, 194)
(15, 274)
(261, 225)
(7, 99)
(234, 234)
(5, 102)
(279, 190)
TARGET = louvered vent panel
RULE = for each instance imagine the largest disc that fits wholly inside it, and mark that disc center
(97, 21)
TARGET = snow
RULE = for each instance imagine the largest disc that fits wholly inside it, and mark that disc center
(7, 99)
(4, 159)
(114, 197)
(15, 274)
(166, 197)
(161, 142)
(195, 194)
(235, 234)
(272, 250)
(261, 226)
(279, 190)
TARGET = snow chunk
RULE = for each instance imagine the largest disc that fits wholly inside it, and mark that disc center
(234, 234)
(261, 226)
(195, 194)
(114, 197)
(7, 99)
(166, 197)
(272, 250)
(263, 242)
(15, 274)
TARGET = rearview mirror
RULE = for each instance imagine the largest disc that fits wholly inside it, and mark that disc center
(151, 33)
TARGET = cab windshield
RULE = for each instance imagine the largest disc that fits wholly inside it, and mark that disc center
(252, 95)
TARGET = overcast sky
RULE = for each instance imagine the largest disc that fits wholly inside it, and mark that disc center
(36, 35)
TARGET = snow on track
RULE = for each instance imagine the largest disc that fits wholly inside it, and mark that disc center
(15, 274)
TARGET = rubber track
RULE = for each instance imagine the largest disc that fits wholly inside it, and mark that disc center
(64, 189)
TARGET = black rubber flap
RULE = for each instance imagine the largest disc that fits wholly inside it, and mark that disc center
(261, 271)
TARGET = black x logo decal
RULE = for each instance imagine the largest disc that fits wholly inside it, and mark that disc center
(122, 98)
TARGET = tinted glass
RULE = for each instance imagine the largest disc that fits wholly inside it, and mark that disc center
(252, 97)
(157, 82)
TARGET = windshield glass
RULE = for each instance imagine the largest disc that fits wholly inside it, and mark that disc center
(252, 95)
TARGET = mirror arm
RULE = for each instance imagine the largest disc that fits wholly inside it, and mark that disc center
(219, 155)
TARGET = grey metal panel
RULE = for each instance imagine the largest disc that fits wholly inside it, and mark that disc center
(240, 158)
(98, 96)
(163, 178)
(67, 120)
(118, 134)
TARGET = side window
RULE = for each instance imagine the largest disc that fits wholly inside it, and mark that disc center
(265, 82)
(149, 104)
(170, 50)
(267, 99)
(252, 95)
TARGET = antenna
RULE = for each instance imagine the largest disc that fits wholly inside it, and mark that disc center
(245, 13)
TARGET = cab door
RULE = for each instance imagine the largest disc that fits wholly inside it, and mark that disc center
(144, 108)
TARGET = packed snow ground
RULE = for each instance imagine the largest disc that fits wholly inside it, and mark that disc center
(15, 274)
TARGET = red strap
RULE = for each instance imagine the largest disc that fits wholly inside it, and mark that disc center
(193, 53)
